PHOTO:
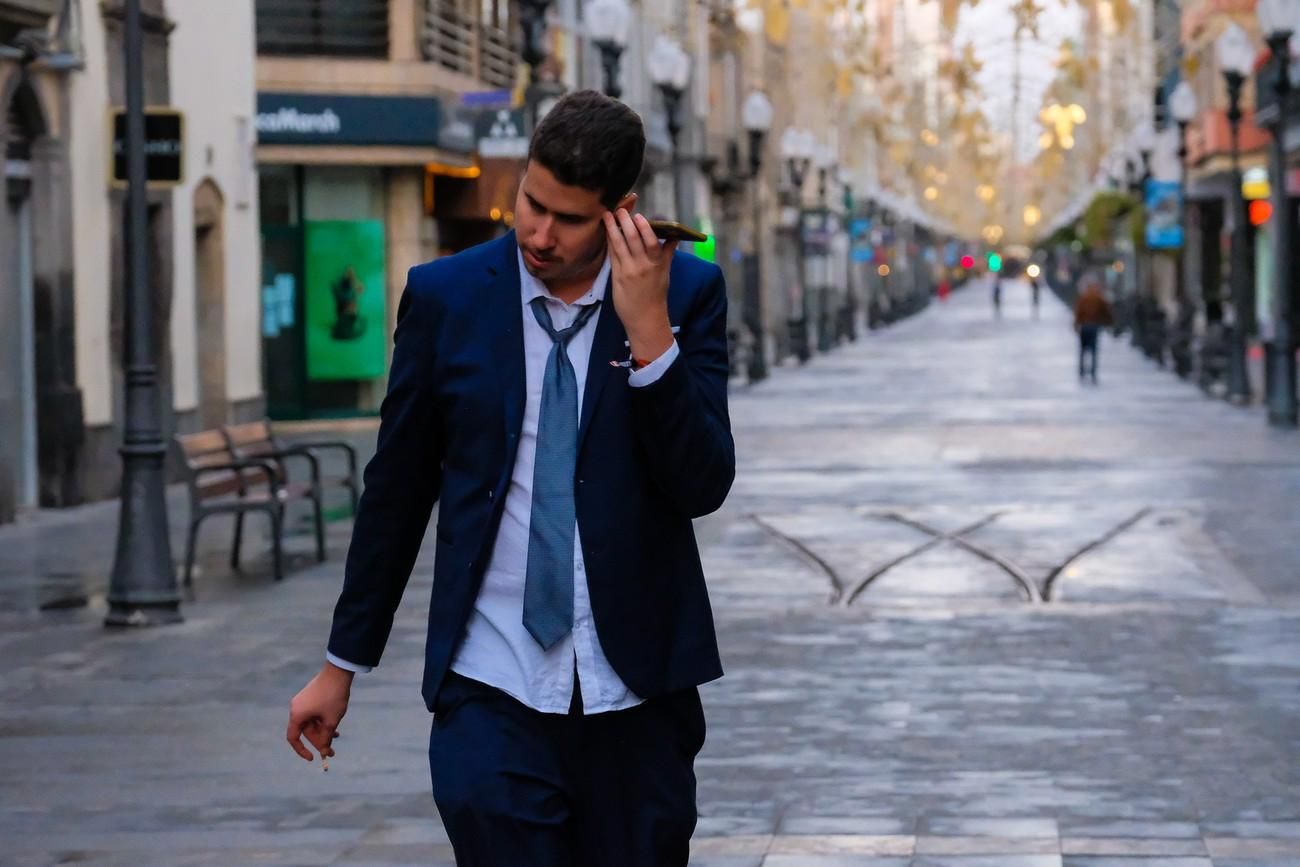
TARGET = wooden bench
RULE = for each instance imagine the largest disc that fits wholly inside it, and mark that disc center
(222, 484)
(257, 439)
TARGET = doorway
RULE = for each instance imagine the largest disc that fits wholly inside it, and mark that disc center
(210, 303)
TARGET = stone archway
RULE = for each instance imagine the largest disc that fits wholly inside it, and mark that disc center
(210, 302)
(42, 425)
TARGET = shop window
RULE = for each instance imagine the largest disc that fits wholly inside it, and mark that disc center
(358, 28)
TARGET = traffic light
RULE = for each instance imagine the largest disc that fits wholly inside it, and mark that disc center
(968, 262)
(995, 262)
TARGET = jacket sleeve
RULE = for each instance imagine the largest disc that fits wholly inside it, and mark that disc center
(681, 420)
(402, 482)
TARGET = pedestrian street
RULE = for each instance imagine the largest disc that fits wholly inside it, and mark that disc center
(973, 614)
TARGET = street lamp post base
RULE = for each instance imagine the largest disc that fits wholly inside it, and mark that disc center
(143, 616)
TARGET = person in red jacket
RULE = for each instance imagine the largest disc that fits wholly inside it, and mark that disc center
(1092, 313)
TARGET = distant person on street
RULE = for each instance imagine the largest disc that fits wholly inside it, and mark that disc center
(562, 393)
(997, 294)
(1092, 313)
(1036, 290)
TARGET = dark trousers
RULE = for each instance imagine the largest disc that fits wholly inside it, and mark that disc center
(1089, 338)
(518, 787)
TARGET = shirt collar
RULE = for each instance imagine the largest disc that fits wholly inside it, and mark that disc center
(530, 287)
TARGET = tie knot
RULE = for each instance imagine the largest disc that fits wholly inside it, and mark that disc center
(561, 335)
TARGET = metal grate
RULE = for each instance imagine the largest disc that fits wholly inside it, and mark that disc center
(498, 57)
(334, 28)
(449, 35)
(472, 37)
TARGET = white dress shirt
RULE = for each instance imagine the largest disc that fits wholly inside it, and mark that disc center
(497, 649)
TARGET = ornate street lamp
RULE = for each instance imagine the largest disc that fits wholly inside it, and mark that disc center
(607, 23)
(540, 94)
(756, 117)
(142, 590)
(1236, 56)
(1182, 104)
(797, 149)
(1144, 144)
(798, 146)
(1277, 21)
(532, 19)
(824, 160)
(670, 71)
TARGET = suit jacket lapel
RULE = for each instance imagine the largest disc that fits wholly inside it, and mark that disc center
(507, 335)
(607, 346)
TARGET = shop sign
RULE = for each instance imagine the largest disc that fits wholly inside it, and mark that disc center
(500, 134)
(318, 119)
(164, 147)
(344, 306)
(1164, 208)
(487, 99)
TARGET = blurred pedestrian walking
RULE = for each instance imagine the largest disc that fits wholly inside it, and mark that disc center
(997, 295)
(1092, 313)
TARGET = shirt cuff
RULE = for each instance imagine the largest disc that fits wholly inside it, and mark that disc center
(651, 373)
(347, 666)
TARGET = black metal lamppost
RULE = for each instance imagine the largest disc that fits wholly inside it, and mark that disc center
(1236, 56)
(824, 159)
(1137, 173)
(670, 71)
(1278, 22)
(798, 146)
(756, 117)
(142, 590)
(607, 23)
(540, 94)
(1182, 104)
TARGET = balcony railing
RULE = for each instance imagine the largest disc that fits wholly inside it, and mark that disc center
(333, 28)
(457, 38)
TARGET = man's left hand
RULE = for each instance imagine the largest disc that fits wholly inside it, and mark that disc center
(640, 266)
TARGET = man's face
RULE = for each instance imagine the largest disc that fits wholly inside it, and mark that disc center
(559, 227)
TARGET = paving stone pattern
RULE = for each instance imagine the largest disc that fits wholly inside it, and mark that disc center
(896, 694)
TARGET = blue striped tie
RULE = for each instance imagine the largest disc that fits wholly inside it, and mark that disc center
(548, 583)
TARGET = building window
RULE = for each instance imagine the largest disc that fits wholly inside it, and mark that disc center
(334, 28)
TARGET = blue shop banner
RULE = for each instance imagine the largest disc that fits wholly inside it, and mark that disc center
(318, 119)
(1164, 202)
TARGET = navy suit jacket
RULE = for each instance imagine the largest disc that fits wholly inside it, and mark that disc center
(649, 460)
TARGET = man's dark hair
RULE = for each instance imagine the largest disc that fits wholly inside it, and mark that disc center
(592, 141)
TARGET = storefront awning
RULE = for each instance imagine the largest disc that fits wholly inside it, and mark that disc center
(359, 155)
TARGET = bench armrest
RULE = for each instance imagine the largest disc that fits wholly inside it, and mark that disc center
(321, 445)
(280, 454)
(237, 466)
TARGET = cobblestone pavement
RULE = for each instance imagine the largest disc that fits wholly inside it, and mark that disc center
(973, 614)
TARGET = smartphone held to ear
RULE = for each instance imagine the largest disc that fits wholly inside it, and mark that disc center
(670, 231)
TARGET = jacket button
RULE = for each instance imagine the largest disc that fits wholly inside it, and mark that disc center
(491, 494)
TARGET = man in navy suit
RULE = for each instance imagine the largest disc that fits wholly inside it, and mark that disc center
(562, 393)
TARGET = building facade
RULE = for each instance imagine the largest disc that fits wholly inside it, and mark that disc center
(41, 404)
(369, 117)
(62, 76)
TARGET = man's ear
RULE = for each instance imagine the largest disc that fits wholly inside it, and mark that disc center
(627, 203)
